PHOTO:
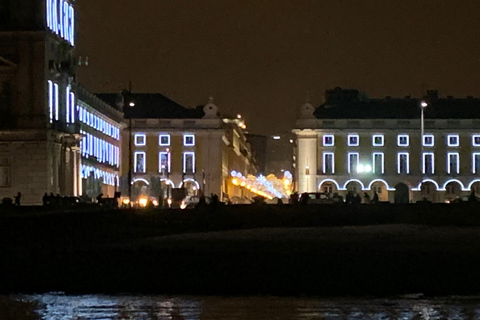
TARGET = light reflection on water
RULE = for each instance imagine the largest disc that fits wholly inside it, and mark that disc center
(103, 307)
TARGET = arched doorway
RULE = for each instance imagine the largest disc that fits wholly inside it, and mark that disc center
(354, 187)
(380, 189)
(428, 191)
(139, 188)
(402, 193)
(453, 190)
(475, 187)
(328, 187)
(191, 187)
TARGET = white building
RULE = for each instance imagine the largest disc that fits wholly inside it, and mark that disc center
(355, 143)
(174, 147)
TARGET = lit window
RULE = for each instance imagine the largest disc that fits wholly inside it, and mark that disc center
(453, 163)
(378, 163)
(352, 165)
(164, 162)
(353, 140)
(403, 165)
(164, 140)
(328, 163)
(476, 162)
(50, 99)
(378, 140)
(328, 140)
(140, 162)
(428, 163)
(476, 140)
(453, 140)
(188, 162)
(189, 140)
(403, 140)
(56, 100)
(140, 139)
(428, 140)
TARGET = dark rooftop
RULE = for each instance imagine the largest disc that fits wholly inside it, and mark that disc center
(352, 104)
(151, 106)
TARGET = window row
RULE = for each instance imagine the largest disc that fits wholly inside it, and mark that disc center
(98, 123)
(104, 152)
(107, 178)
(403, 140)
(403, 163)
(164, 162)
(140, 139)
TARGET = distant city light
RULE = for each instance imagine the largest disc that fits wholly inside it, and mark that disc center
(239, 116)
(132, 104)
(423, 104)
(276, 137)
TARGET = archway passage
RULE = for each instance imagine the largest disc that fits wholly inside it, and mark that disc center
(191, 187)
(139, 188)
(428, 192)
(328, 187)
(380, 189)
(354, 187)
(453, 190)
(402, 193)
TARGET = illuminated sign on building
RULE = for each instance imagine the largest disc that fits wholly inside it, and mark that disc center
(61, 19)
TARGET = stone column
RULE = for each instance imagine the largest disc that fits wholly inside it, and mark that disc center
(307, 161)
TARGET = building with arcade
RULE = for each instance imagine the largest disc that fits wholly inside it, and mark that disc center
(41, 133)
(404, 149)
(167, 146)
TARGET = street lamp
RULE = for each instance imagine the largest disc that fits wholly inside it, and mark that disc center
(423, 105)
(130, 165)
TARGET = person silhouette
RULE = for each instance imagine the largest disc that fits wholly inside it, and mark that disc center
(17, 198)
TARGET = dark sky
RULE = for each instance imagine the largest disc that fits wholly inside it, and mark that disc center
(260, 58)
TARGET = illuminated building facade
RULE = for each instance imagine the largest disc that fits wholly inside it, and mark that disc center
(355, 143)
(100, 147)
(176, 147)
(39, 132)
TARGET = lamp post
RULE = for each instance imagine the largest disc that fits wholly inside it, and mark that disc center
(423, 105)
(130, 156)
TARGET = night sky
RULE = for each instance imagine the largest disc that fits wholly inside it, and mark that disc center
(260, 58)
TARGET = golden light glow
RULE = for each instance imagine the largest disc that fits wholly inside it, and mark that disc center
(235, 181)
(143, 202)
(126, 201)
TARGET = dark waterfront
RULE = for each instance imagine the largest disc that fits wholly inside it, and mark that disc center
(323, 250)
(105, 307)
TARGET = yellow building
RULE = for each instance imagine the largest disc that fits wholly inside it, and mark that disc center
(172, 147)
(404, 150)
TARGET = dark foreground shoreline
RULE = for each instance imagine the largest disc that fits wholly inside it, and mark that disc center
(271, 250)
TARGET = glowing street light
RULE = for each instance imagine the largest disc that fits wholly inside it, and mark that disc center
(364, 168)
(423, 105)
(130, 156)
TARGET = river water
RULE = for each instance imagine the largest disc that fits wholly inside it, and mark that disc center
(104, 307)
